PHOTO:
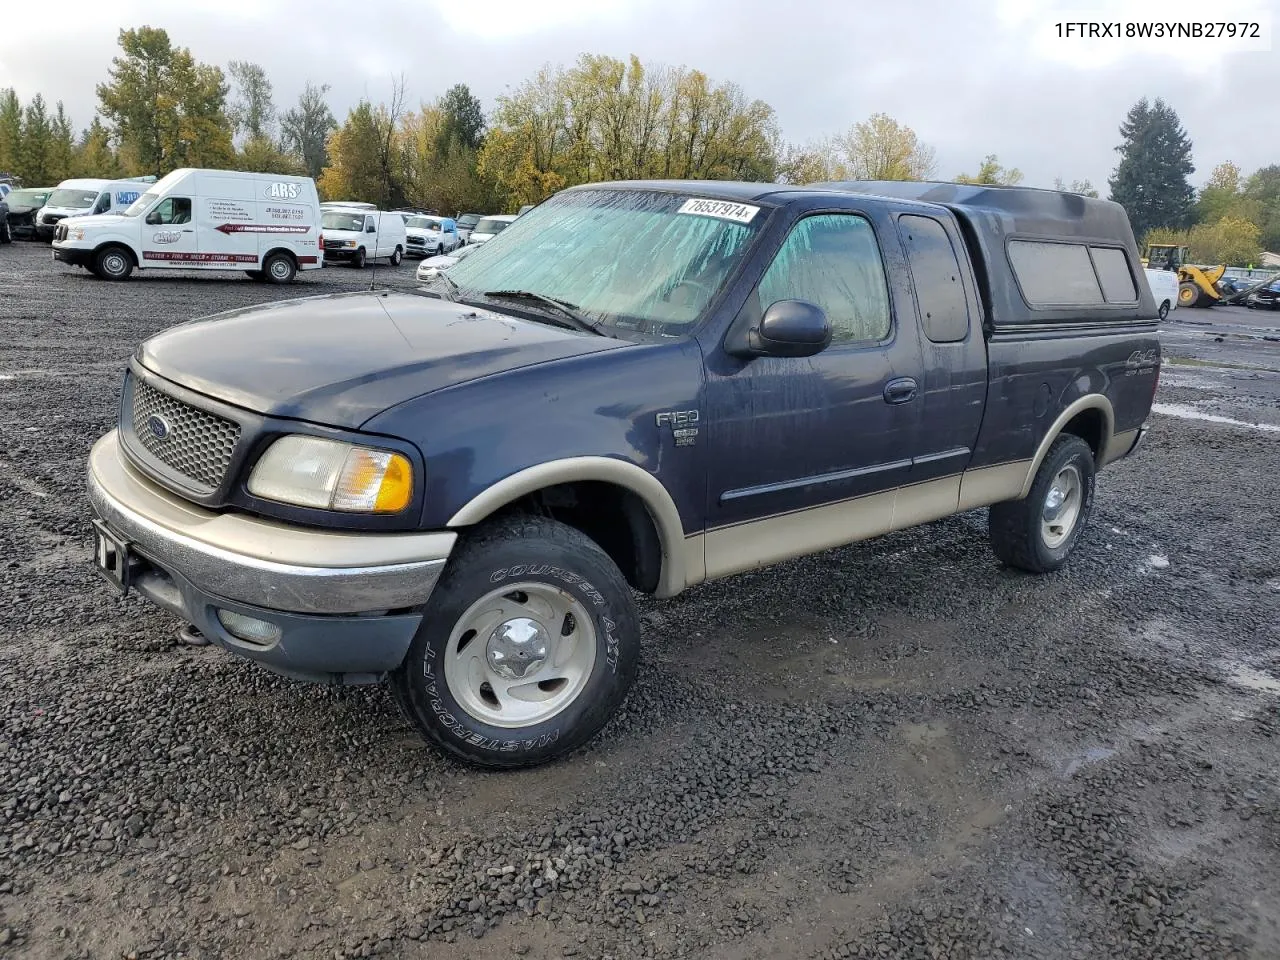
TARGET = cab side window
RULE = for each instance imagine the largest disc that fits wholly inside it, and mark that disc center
(832, 260)
(103, 203)
(171, 210)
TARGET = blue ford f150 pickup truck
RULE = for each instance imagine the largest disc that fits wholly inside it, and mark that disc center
(636, 387)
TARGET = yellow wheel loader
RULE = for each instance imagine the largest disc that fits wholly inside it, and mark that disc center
(1197, 286)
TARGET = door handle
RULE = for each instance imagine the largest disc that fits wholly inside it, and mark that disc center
(900, 390)
(188, 231)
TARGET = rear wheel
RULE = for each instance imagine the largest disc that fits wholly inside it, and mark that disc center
(396, 257)
(113, 263)
(529, 645)
(279, 268)
(1039, 532)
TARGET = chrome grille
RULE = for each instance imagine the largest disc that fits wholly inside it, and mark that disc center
(196, 444)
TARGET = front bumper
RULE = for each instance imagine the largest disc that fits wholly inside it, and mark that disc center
(75, 256)
(347, 604)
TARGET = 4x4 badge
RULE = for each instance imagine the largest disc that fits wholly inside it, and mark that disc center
(683, 425)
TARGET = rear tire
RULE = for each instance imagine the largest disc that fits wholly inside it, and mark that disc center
(1188, 294)
(1039, 532)
(525, 599)
(113, 263)
(279, 268)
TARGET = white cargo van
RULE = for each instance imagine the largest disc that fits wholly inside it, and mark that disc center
(84, 196)
(1164, 290)
(358, 235)
(265, 224)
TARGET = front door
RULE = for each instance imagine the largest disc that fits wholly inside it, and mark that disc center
(808, 453)
(169, 235)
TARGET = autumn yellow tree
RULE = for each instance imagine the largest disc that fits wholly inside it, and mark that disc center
(880, 148)
(990, 172)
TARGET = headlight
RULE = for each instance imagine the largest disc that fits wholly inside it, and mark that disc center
(330, 475)
(77, 233)
(348, 243)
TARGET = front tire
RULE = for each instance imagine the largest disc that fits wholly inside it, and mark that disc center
(6, 232)
(1164, 310)
(1039, 532)
(113, 263)
(529, 645)
(396, 257)
(358, 260)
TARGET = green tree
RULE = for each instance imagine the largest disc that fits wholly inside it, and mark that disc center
(10, 130)
(463, 120)
(94, 156)
(168, 109)
(1231, 240)
(990, 172)
(62, 146)
(1155, 161)
(305, 128)
(251, 112)
(34, 161)
(1262, 188)
(355, 168)
(261, 154)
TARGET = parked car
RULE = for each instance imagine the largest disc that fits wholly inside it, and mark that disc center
(1268, 298)
(6, 234)
(356, 235)
(459, 488)
(87, 196)
(466, 223)
(1164, 290)
(432, 267)
(24, 204)
(430, 236)
(265, 224)
(489, 227)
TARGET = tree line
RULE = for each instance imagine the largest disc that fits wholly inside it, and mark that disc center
(599, 119)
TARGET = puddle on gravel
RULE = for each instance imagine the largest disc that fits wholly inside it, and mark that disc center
(1186, 412)
(1088, 756)
(1256, 680)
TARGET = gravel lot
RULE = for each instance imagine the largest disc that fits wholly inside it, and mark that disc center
(892, 750)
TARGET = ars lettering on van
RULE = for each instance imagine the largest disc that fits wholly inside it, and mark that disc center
(283, 191)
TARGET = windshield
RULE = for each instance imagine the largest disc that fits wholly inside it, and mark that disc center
(425, 223)
(628, 259)
(491, 226)
(27, 198)
(332, 220)
(73, 199)
(141, 204)
(469, 219)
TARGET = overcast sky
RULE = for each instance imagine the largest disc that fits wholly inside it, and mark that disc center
(970, 76)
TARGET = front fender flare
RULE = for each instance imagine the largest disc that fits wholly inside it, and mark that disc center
(682, 563)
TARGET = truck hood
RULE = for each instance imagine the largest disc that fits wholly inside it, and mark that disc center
(343, 358)
(97, 220)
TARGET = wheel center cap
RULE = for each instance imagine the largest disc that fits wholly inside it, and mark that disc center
(1053, 504)
(517, 648)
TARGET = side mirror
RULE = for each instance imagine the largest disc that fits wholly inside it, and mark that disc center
(789, 328)
(153, 216)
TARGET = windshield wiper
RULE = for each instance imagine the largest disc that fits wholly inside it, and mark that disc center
(566, 309)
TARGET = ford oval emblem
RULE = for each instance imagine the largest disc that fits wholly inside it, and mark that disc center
(158, 426)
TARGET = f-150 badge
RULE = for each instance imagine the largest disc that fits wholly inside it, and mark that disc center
(683, 423)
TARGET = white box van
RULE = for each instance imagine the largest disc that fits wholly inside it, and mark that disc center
(84, 196)
(358, 235)
(265, 224)
(1164, 290)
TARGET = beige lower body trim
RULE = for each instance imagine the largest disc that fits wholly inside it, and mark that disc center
(760, 543)
(1118, 447)
(987, 485)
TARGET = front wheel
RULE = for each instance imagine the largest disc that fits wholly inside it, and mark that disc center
(528, 646)
(1188, 294)
(358, 260)
(1039, 532)
(396, 257)
(113, 263)
(6, 232)
(1164, 310)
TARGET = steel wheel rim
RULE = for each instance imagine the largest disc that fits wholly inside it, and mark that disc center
(279, 269)
(113, 263)
(1062, 505)
(532, 627)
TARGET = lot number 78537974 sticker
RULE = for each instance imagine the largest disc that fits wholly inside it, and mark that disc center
(724, 209)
